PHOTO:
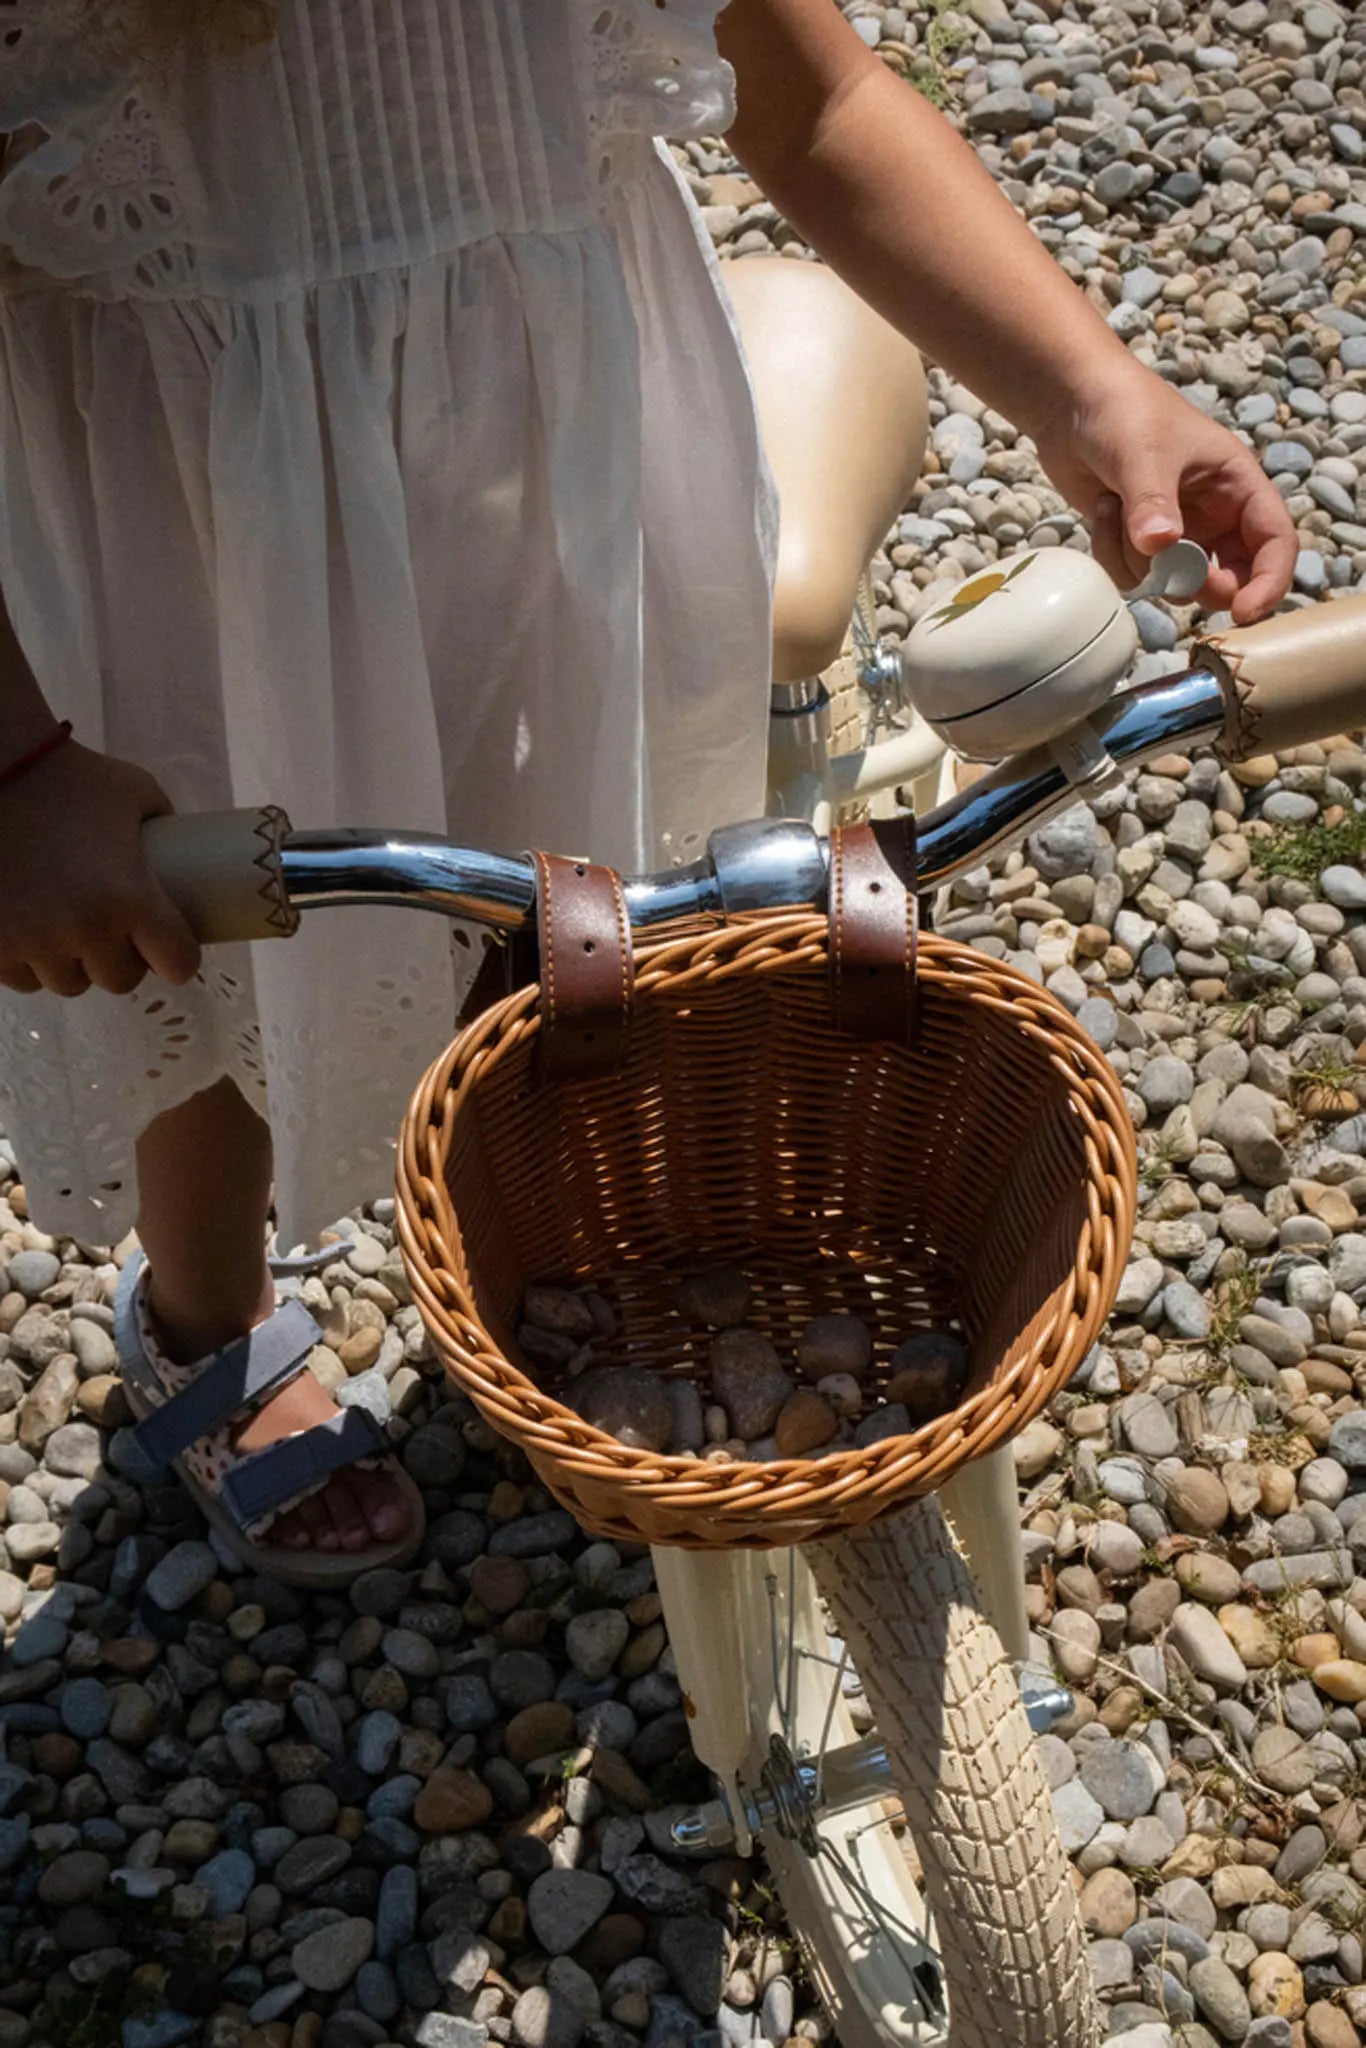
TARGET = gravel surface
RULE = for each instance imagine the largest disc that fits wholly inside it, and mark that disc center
(435, 1812)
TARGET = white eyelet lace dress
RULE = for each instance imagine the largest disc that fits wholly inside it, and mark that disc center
(374, 440)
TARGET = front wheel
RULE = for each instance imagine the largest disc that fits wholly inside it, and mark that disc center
(988, 1948)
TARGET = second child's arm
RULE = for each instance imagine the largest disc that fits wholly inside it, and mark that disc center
(882, 187)
(877, 181)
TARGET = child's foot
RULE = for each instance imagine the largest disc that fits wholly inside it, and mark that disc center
(359, 1507)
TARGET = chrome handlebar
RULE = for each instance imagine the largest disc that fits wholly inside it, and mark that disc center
(774, 863)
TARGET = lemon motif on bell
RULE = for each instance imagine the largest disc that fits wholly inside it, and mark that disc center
(969, 595)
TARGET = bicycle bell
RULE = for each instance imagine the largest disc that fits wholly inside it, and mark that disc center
(1020, 652)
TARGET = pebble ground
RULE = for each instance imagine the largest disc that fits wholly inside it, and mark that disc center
(435, 1812)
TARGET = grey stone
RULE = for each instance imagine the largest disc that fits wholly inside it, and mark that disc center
(1245, 1125)
(520, 1678)
(1347, 1441)
(443, 2030)
(630, 1404)
(1221, 1998)
(595, 1640)
(377, 1737)
(1138, 1284)
(31, 1273)
(563, 1904)
(396, 1910)
(1303, 1853)
(1165, 1083)
(181, 1576)
(1118, 1777)
(1148, 1427)
(1186, 1309)
(228, 1878)
(1097, 1018)
(1344, 886)
(470, 1706)
(93, 1347)
(1206, 1649)
(693, 1948)
(1167, 1934)
(1079, 1814)
(85, 1706)
(647, 1882)
(328, 1959)
(748, 1381)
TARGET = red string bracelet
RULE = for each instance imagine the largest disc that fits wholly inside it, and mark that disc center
(56, 738)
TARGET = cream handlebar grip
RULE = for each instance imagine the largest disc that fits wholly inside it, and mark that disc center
(1298, 677)
(221, 869)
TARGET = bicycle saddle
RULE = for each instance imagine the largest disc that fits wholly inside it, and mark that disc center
(842, 409)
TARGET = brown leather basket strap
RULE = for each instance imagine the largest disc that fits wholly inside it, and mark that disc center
(586, 968)
(873, 924)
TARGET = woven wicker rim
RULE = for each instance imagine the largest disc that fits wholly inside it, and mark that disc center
(844, 1486)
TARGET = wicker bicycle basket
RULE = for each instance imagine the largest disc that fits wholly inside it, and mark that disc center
(986, 1171)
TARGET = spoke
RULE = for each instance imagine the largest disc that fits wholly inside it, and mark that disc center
(783, 1699)
(868, 1899)
(791, 1692)
(830, 1705)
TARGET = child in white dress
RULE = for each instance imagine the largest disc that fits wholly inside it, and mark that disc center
(374, 439)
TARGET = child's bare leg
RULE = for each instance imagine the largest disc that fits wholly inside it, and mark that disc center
(204, 1171)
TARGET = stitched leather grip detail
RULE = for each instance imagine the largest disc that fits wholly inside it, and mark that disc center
(873, 926)
(1297, 677)
(586, 968)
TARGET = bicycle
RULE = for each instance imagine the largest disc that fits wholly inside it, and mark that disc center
(991, 1949)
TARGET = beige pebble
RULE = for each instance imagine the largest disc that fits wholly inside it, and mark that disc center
(359, 1351)
(1275, 1987)
(1241, 1884)
(1108, 1903)
(1342, 1679)
(1313, 1650)
(1197, 1857)
(1076, 1644)
(1196, 1501)
(1327, 2026)
(1278, 1489)
(1251, 1635)
(1209, 1578)
(1242, 1486)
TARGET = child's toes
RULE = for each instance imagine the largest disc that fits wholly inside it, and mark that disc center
(290, 1531)
(318, 1522)
(348, 1516)
(384, 1503)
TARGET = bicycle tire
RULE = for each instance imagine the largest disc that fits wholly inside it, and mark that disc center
(996, 1878)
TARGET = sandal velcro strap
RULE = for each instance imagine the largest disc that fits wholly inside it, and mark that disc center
(242, 1376)
(269, 1480)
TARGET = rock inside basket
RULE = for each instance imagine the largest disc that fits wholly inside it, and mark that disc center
(732, 1380)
